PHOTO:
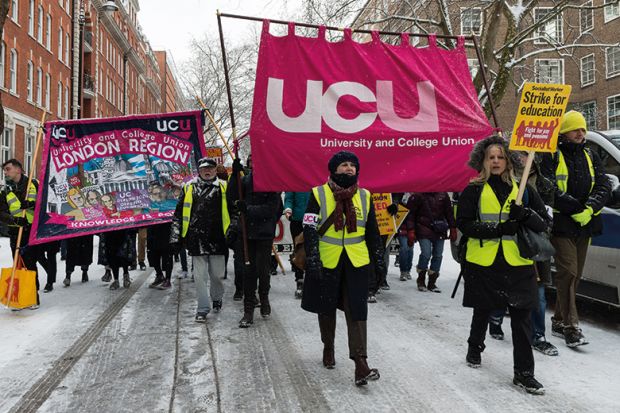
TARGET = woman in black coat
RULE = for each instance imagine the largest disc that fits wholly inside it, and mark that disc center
(120, 252)
(159, 254)
(335, 277)
(79, 253)
(495, 275)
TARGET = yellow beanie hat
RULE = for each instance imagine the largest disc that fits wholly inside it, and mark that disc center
(573, 120)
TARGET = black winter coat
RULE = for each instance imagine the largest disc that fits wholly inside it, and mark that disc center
(424, 208)
(80, 250)
(578, 194)
(19, 189)
(322, 292)
(158, 236)
(205, 234)
(263, 208)
(500, 284)
(119, 247)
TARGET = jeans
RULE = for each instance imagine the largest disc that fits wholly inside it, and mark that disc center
(405, 254)
(208, 267)
(538, 315)
(433, 251)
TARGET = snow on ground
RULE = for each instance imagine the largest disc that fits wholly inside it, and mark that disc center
(417, 341)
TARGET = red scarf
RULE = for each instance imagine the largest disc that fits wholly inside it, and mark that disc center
(344, 204)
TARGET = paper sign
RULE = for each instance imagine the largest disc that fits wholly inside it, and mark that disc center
(538, 118)
(385, 221)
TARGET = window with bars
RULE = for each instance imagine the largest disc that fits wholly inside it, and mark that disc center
(549, 70)
(611, 11)
(613, 112)
(587, 70)
(551, 30)
(612, 61)
(471, 21)
(586, 17)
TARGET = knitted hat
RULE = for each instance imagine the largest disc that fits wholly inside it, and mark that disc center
(340, 157)
(476, 157)
(207, 163)
(573, 120)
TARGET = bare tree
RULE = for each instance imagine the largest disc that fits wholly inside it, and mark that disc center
(4, 11)
(510, 33)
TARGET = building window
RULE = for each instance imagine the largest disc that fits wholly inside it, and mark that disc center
(471, 21)
(59, 101)
(31, 18)
(589, 112)
(474, 66)
(60, 35)
(612, 60)
(48, 85)
(587, 70)
(613, 112)
(6, 151)
(13, 71)
(551, 30)
(28, 152)
(39, 86)
(15, 10)
(40, 25)
(2, 60)
(67, 102)
(48, 34)
(549, 71)
(586, 17)
(67, 43)
(612, 10)
(29, 74)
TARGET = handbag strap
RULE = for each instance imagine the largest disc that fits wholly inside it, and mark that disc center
(328, 222)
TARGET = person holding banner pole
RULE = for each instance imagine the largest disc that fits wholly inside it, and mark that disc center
(343, 251)
(581, 190)
(199, 223)
(496, 275)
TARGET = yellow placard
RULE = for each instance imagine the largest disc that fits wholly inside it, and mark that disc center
(215, 152)
(385, 221)
(538, 119)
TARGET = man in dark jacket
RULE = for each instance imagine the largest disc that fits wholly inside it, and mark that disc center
(16, 198)
(581, 190)
(261, 211)
(200, 222)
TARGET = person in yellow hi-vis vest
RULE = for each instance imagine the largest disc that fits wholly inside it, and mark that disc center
(343, 253)
(495, 274)
(15, 198)
(581, 190)
(199, 224)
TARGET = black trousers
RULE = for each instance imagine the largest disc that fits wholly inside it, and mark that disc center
(257, 272)
(521, 326)
(49, 264)
(296, 228)
(238, 265)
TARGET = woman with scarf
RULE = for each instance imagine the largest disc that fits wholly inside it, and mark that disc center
(343, 251)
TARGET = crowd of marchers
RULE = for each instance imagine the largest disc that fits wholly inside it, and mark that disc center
(345, 257)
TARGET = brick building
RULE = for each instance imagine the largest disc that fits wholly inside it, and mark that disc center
(75, 59)
(593, 71)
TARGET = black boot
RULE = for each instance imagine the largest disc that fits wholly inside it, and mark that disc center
(159, 278)
(299, 289)
(67, 281)
(421, 281)
(473, 355)
(247, 320)
(126, 280)
(84, 276)
(265, 307)
(107, 276)
(327, 326)
(363, 373)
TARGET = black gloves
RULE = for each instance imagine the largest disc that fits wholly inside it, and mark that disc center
(518, 212)
(20, 221)
(27, 204)
(392, 209)
(241, 206)
(236, 166)
(508, 227)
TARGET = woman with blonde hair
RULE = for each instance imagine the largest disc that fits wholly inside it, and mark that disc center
(496, 275)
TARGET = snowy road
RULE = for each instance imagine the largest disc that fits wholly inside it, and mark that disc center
(88, 349)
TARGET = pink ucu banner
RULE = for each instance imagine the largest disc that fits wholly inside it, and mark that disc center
(410, 114)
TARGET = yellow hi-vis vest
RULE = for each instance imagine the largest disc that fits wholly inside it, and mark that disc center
(561, 174)
(15, 206)
(187, 207)
(483, 251)
(333, 242)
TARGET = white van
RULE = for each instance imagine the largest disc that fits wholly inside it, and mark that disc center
(601, 274)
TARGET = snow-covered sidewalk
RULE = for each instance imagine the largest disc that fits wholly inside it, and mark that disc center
(151, 356)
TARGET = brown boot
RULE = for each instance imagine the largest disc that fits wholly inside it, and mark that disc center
(432, 279)
(421, 281)
(363, 373)
(327, 325)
